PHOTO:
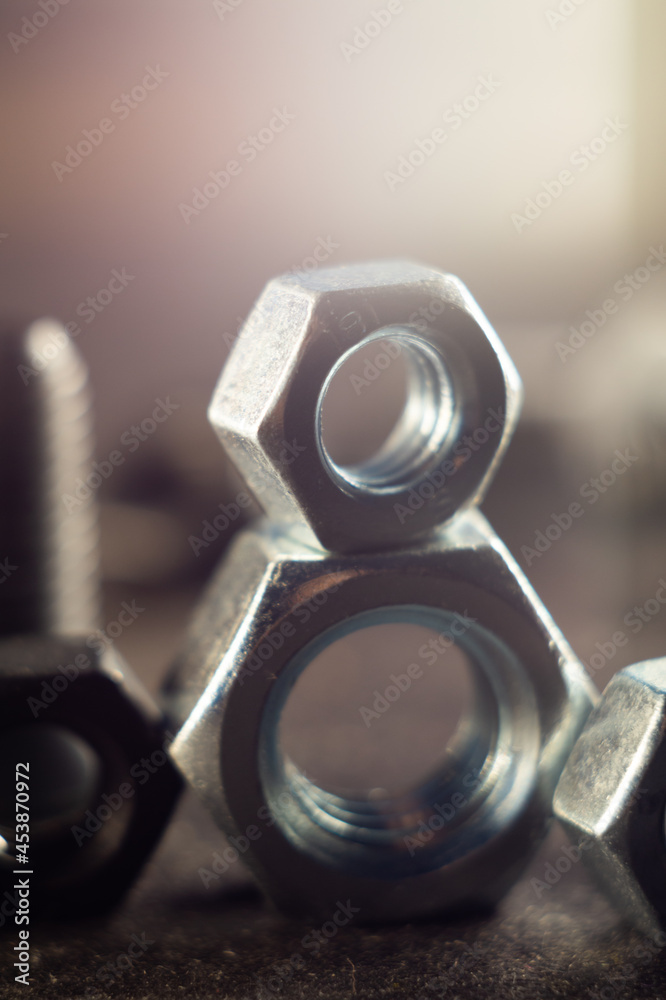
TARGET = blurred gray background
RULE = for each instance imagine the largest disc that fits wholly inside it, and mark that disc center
(546, 197)
(360, 101)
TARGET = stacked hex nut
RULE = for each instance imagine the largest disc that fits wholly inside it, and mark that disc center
(268, 399)
(335, 533)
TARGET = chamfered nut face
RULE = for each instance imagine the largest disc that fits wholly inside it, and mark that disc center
(86, 784)
(463, 397)
(611, 797)
(461, 837)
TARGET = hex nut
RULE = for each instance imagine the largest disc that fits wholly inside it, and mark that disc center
(612, 794)
(101, 786)
(463, 402)
(248, 645)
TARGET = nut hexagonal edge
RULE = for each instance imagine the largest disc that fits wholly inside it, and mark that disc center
(265, 406)
(227, 695)
(612, 793)
(103, 704)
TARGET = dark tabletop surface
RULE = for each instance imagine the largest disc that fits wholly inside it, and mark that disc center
(224, 941)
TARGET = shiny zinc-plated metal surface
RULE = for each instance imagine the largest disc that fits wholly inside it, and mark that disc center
(308, 847)
(463, 400)
(611, 797)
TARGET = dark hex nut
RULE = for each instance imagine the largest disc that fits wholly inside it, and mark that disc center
(80, 736)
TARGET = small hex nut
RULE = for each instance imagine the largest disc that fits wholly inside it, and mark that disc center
(98, 783)
(463, 402)
(276, 602)
(612, 794)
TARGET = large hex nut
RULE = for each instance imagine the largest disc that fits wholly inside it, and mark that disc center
(463, 403)
(100, 786)
(612, 793)
(308, 848)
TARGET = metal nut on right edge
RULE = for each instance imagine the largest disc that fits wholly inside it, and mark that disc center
(612, 794)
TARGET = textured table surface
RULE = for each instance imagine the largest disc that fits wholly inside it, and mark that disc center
(224, 942)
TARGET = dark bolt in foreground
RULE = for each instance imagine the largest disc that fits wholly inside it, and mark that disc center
(74, 723)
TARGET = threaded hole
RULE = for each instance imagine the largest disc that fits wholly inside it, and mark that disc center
(385, 412)
(377, 712)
